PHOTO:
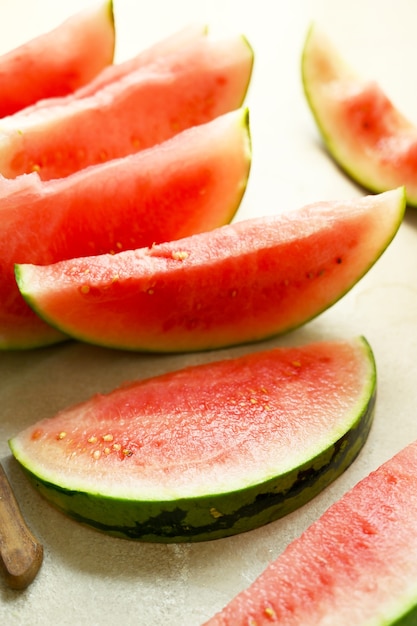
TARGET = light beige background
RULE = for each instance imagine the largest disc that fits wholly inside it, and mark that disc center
(89, 578)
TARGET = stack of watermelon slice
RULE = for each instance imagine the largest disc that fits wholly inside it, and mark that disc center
(98, 184)
(150, 149)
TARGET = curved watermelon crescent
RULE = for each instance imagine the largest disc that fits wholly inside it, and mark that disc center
(207, 487)
(236, 284)
(367, 136)
(241, 511)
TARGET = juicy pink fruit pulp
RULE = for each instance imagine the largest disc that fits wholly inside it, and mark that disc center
(355, 565)
(187, 432)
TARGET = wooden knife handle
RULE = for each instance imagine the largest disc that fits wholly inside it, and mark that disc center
(21, 554)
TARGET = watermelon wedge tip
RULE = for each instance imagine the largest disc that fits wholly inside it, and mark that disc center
(60, 61)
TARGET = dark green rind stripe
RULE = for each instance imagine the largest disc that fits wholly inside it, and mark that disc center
(214, 516)
(408, 619)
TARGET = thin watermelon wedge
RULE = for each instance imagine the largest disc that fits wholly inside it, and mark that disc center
(191, 183)
(238, 283)
(188, 85)
(112, 73)
(355, 565)
(210, 450)
(59, 61)
(363, 131)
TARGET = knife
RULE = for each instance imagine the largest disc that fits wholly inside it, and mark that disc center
(21, 553)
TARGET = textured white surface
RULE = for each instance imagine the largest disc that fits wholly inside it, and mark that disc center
(88, 578)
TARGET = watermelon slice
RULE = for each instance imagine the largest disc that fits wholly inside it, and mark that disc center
(188, 85)
(361, 128)
(59, 61)
(210, 450)
(356, 565)
(191, 183)
(111, 73)
(241, 282)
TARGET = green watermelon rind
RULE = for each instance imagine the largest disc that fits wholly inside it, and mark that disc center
(408, 618)
(215, 516)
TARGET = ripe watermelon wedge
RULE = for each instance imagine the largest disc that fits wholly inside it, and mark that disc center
(210, 450)
(362, 129)
(241, 282)
(59, 61)
(191, 183)
(188, 85)
(355, 565)
(111, 73)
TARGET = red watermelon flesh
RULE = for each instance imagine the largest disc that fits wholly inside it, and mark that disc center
(238, 283)
(356, 565)
(58, 62)
(210, 450)
(191, 85)
(361, 127)
(116, 71)
(194, 182)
